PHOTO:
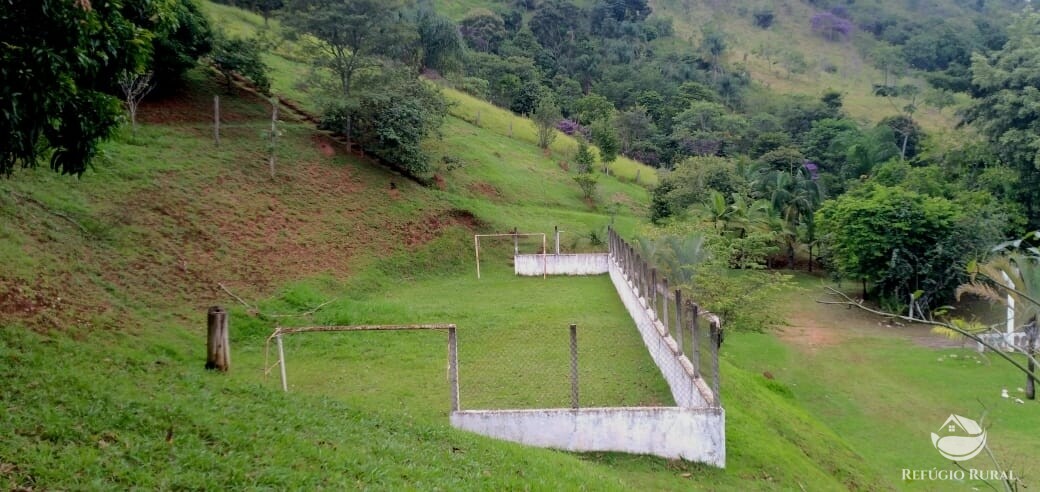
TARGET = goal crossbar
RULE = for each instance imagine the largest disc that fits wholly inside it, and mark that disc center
(453, 350)
(514, 235)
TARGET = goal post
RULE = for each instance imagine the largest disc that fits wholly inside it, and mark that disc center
(453, 350)
(516, 247)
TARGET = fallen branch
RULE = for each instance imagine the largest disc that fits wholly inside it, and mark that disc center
(253, 310)
(848, 301)
(52, 212)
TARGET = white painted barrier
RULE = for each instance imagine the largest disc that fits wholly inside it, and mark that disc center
(552, 264)
(694, 430)
(694, 434)
(687, 390)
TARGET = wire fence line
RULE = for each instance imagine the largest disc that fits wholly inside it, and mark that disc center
(688, 335)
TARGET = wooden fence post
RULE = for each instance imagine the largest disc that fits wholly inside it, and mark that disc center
(218, 354)
(281, 362)
(716, 378)
(653, 292)
(664, 310)
(678, 313)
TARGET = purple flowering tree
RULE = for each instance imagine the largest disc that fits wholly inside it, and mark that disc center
(572, 128)
(814, 170)
(832, 27)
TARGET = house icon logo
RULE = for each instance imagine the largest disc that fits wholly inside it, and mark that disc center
(959, 439)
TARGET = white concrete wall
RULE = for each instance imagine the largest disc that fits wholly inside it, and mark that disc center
(694, 430)
(1005, 341)
(577, 264)
(687, 390)
(693, 434)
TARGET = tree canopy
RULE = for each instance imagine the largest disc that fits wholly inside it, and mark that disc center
(59, 67)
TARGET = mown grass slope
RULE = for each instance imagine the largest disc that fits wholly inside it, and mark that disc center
(107, 278)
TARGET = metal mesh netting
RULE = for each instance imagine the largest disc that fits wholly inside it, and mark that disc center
(692, 335)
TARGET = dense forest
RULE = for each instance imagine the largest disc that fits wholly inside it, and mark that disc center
(770, 180)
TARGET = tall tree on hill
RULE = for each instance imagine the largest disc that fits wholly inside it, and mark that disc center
(354, 34)
(1007, 106)
(442, 47)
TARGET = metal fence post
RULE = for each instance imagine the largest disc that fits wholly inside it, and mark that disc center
(453, 368)
(574, 366)
(695, 312)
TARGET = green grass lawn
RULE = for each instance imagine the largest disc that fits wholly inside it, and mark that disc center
(885, 389)
(107, 278)
(513, 345)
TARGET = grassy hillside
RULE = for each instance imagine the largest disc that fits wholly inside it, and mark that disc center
(107, 278)
(767, 55)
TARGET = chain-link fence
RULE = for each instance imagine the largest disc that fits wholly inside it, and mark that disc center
(691, 335)
(559, 365)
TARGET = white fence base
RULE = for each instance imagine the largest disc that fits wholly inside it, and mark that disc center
(550, 264)
(1006, 342)
(693, 434)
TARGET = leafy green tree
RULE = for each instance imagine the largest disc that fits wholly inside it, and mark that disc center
(907, 132)
(389, 115)
(605, 137)
(353, 34)
(442, 47)
(593, 107)
(545, 117)
(181, 36)
(242, 56)
(483, 30)
(707, 128)
(587, 182)
(795, 196)
(692, 181)
(864, 151)
(634, 127)
(1007, 106)
(903, 242)
(713, 47)
(784, 159)
(555, 23)
(819, 142)
(57, 62)
(583, 158)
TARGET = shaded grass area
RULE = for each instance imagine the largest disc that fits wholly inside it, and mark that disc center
(884, 392)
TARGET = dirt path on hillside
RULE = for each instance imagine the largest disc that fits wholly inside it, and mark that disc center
(812, 325)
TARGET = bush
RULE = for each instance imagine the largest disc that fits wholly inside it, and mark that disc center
(389, 114)
(764, 18)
